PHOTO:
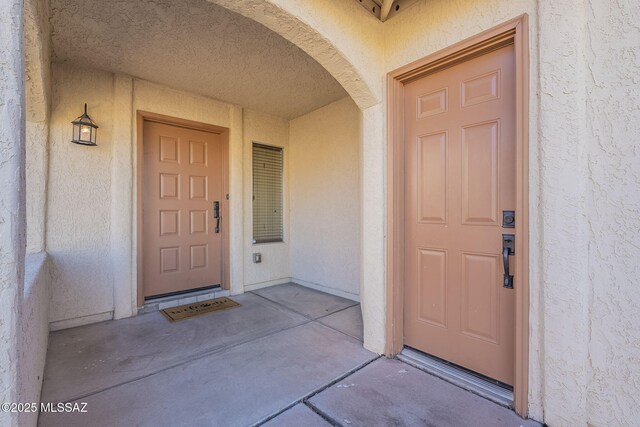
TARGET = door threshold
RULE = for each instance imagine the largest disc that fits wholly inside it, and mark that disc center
(174, 300)
(182, 294)
(475, 383)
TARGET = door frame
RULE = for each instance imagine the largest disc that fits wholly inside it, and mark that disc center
(514, 32)
(141, 117)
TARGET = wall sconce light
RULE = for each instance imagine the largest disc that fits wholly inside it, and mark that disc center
(84, 129)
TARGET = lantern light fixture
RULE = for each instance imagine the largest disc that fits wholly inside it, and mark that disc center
(84, 129)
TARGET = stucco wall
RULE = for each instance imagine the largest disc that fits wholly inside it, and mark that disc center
(37, 49)
(325, 198)
(12, 199)
(613, 123)
(275, 266)
(37, 157)
(34, 316)
(34, 333)
(79, 200)
(91, 190)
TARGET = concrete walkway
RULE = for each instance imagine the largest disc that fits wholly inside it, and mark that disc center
(290, 356)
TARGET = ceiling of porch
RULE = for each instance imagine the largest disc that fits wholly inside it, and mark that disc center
(196, 46)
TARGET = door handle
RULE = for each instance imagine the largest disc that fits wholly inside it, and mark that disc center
(508, 248)
(216, 215)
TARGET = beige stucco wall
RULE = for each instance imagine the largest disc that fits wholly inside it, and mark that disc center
(79, 197)
(275, 266)
(12, 200)
(34, 316)
(34, 333)
(325, 198)
(612, 50)
(37, 80)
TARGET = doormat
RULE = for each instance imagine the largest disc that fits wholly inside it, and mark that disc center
(190, 310)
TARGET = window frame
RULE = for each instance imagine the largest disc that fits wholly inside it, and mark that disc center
(281, 150)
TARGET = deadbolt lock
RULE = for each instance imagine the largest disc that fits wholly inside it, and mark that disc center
(508, 219)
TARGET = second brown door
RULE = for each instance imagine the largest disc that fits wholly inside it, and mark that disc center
(459, 177)
(183, 179)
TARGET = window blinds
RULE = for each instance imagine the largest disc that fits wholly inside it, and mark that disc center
(267, 194)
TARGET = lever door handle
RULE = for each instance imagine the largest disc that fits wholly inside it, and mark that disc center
(508, 248)
(216, 215)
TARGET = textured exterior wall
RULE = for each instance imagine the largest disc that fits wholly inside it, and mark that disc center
(37, 56)
(613, 125)
(37, 158)
(122, 200)
(275, 266)
(325, 197)
(373, 194)
(34, 333)
(79, 197)
(34, 317)
(12, 199)
(562, 237)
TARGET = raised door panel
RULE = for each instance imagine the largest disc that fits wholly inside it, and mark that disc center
(479, 303)
(169, 222)
(169, 186)
(169, 149)
(480, 173)
(432, 103)
(198, 222)
(432, 178)
(432, 280)
(198, 153)
(169, 259)
(480, 89)
(198, 187)
(199, 256)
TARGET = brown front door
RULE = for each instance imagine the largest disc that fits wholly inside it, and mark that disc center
(183, 176)
(459, 177)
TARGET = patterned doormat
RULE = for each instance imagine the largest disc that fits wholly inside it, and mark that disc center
(197, 308)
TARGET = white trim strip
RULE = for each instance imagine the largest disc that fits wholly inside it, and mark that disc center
(80, 321)
(457, 376)
(327, 290)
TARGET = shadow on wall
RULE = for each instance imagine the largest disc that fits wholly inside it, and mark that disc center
(76, 279)
(34, 331)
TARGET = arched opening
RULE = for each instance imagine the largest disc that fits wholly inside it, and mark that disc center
(277, 82)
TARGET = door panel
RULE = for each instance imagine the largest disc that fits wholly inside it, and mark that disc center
(432, 278)
(459, 176)
(183, 174)
(432, 179)
(480, 173)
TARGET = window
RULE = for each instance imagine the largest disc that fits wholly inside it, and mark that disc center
(267, 194)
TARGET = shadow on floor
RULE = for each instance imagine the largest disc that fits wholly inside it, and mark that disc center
(290, 355)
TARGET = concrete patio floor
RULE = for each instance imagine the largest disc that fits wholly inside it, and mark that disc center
(289, 356)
